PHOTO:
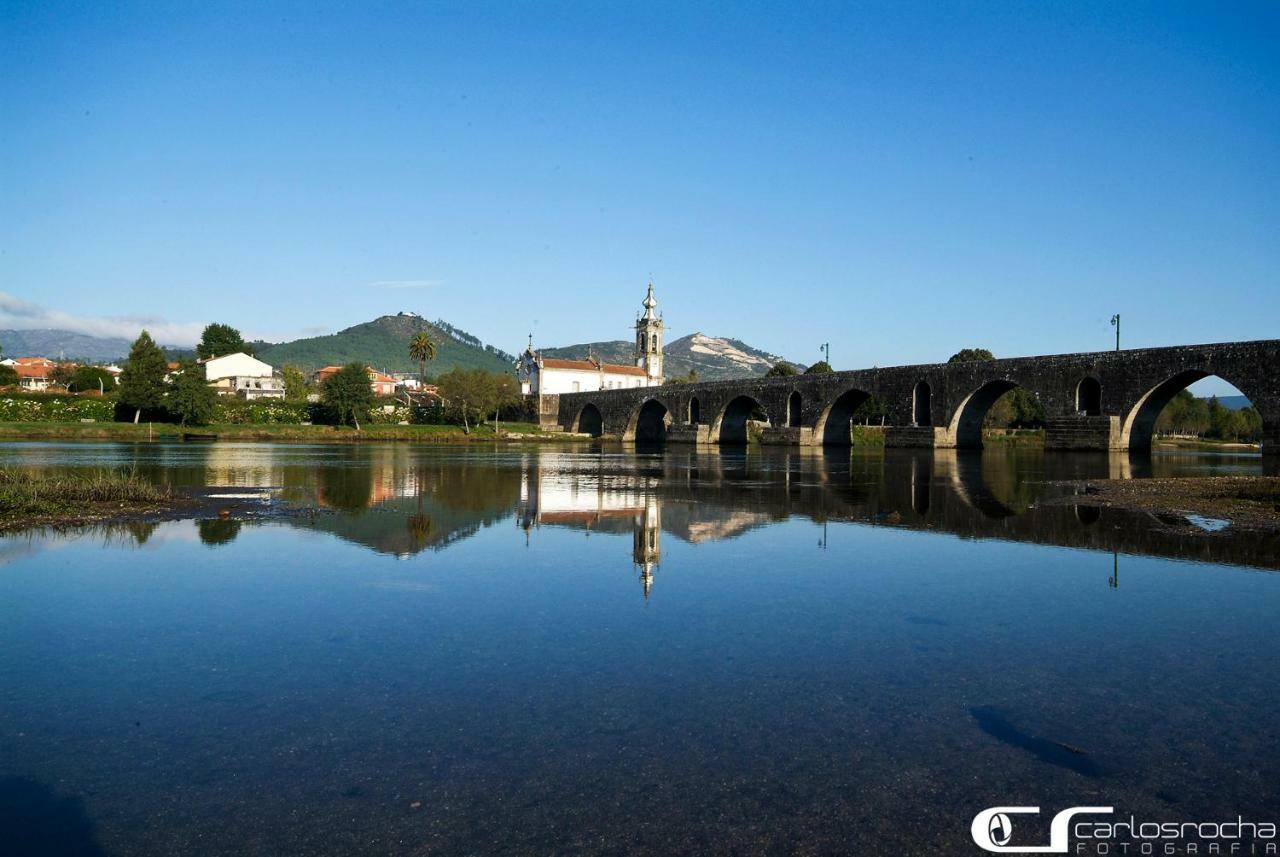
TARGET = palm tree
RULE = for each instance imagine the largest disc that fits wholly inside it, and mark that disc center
(422, 349)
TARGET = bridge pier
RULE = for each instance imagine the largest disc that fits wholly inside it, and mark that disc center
(686, 433)
(788, 436)
(918, 437)
(1080, 432)
(1271, 437)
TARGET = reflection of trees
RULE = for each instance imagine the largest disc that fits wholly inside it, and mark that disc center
(347, 487)
(420, 505)
(218, 531)
(140, 531)
(419, 527)
(481, 488)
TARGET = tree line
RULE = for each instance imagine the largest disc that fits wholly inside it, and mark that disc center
(148, 385)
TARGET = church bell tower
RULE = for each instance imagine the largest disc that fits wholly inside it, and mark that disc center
(649, 340)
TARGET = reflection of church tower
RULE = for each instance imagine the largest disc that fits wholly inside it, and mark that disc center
(649, 340)
(646, 546)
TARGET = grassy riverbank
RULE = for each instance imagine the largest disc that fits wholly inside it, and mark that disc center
(281, 432)
(28, 499)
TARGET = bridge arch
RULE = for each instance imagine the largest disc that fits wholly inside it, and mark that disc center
(589, 421)
(1089, 397)
(730, 427)
(922, 404)
(795, 403)
(834, 422)
(648, 423)
(695, 412)
(966, 422)
(1138, 429)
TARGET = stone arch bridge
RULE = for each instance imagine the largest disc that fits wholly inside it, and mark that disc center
(1099, 400)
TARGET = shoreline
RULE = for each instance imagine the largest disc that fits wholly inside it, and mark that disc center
(1244, 503)
(282, 433)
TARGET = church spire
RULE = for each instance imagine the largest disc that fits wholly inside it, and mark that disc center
(649, 339)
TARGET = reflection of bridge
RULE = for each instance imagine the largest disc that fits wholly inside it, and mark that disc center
(697, 495)
(1102, 400)
(707, 496)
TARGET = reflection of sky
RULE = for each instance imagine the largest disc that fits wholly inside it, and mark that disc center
(519, 693)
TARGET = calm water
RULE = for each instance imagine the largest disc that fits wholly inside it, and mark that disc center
(446, 651)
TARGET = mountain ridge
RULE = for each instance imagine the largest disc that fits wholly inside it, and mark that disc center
(716, 358)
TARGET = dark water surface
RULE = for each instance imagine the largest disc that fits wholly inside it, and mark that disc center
(519, 651)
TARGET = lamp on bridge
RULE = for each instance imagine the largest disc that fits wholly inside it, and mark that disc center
(1115, 322)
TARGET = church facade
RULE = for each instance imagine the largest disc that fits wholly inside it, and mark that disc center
(547, 376)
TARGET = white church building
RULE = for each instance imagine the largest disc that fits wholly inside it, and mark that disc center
(544, 376)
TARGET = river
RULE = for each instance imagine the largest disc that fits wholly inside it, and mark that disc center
(398, 649)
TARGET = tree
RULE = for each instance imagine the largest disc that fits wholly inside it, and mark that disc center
(1017, 408)
(190, 398)
(349, 393)
(471, 395)
(691, 378)
(295, 385)
(781, 369)
(86, 379)
(1222, 423)
(422, 348)
(220, 339)
(966, 355)
(822, 367)
(142, 381)
(871, 411)
(62, 374)
(8, 376)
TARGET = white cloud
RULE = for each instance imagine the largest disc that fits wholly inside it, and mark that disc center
(21, 315)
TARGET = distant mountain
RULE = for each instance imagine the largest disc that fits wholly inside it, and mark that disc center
(68, 345)
(715, 358)
(384, 344)
(1233, 403)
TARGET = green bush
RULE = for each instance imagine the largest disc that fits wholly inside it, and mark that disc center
(229, 411)
(46, 408)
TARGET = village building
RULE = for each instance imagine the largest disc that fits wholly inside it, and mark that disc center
(35, 374)
(382, 384)
(545, 376)
(242, 375)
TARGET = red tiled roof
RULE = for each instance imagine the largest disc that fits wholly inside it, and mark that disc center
(592, 366)
(33, 370)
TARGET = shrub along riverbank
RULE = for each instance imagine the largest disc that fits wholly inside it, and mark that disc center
(31, 498)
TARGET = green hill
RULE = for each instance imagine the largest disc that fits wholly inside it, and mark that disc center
(384, 344)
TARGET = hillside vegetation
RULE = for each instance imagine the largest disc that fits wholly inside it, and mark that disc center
(384, 344)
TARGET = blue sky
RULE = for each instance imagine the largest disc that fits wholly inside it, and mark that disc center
(900, 179)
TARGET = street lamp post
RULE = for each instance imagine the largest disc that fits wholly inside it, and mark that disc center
(1115, 322)
(826, 347)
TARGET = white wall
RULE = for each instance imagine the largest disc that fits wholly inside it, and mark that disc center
(236, 365)
(555, 381)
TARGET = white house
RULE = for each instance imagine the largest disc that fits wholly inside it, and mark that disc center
(243, 375)
(544, 376)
